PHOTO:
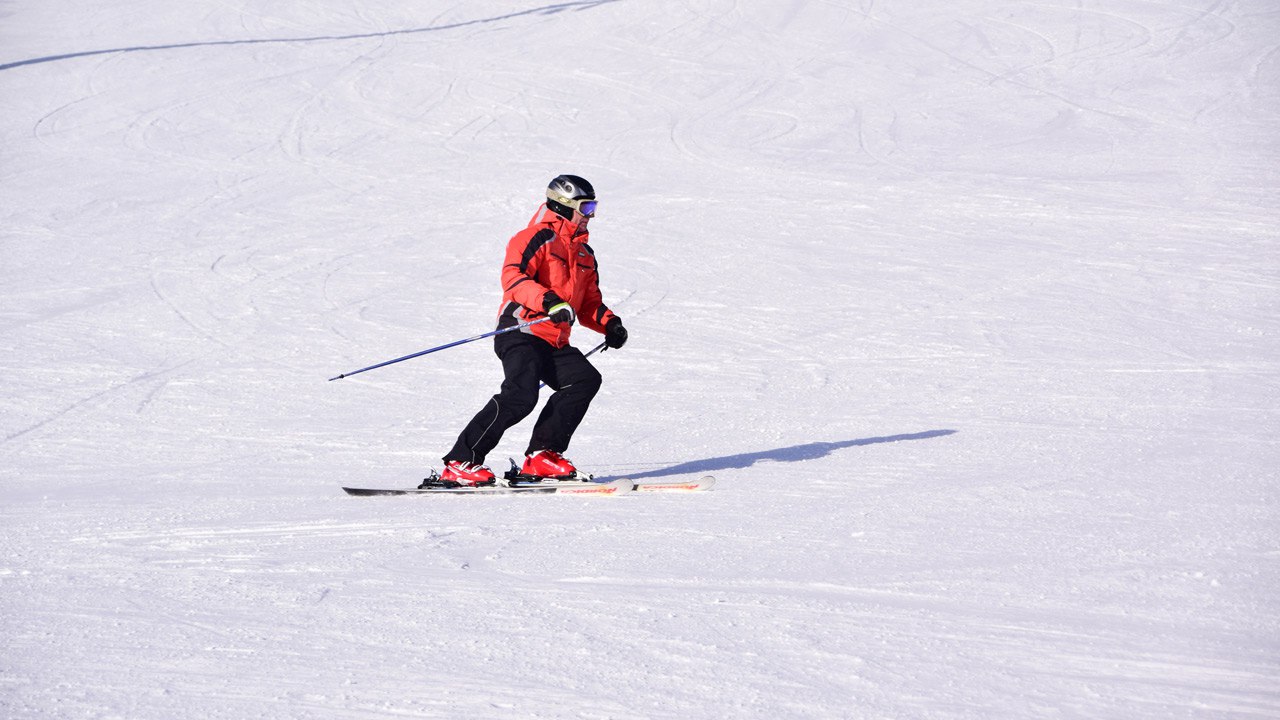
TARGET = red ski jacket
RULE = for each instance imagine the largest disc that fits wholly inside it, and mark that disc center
(546, 256)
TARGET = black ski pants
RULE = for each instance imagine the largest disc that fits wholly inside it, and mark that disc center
(527, 361)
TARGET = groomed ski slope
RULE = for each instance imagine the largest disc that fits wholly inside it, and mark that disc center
(972, 307)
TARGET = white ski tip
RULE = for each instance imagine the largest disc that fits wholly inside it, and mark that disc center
(703, 483)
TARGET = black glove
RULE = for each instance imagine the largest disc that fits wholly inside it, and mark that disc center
(558, 310)
(615, 336)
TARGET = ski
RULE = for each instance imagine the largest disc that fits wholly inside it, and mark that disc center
(703, 483)
(515, 478)
(515, 482)
(578, 486)
(589, 489)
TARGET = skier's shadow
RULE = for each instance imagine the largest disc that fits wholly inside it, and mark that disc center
(795, 453)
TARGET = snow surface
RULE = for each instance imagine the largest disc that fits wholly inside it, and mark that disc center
(971, 306)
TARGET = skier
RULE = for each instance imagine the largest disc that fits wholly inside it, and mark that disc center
(549, 271)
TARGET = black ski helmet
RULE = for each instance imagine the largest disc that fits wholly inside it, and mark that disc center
(566, 193)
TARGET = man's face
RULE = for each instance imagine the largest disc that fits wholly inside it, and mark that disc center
(582, 219)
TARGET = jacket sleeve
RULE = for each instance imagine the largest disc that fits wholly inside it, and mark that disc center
(594, 313)
(525, 253)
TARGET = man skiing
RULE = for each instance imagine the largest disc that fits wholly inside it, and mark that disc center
(549, 271)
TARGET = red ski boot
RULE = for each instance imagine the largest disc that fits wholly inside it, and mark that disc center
(548, 464)
(466, 474)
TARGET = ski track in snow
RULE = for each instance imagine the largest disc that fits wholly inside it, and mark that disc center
(971, 308)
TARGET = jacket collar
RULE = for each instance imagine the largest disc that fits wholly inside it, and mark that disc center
(562, 228)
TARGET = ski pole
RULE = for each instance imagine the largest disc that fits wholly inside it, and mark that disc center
(446, 346)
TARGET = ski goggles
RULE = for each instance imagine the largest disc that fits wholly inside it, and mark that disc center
(586, 206)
